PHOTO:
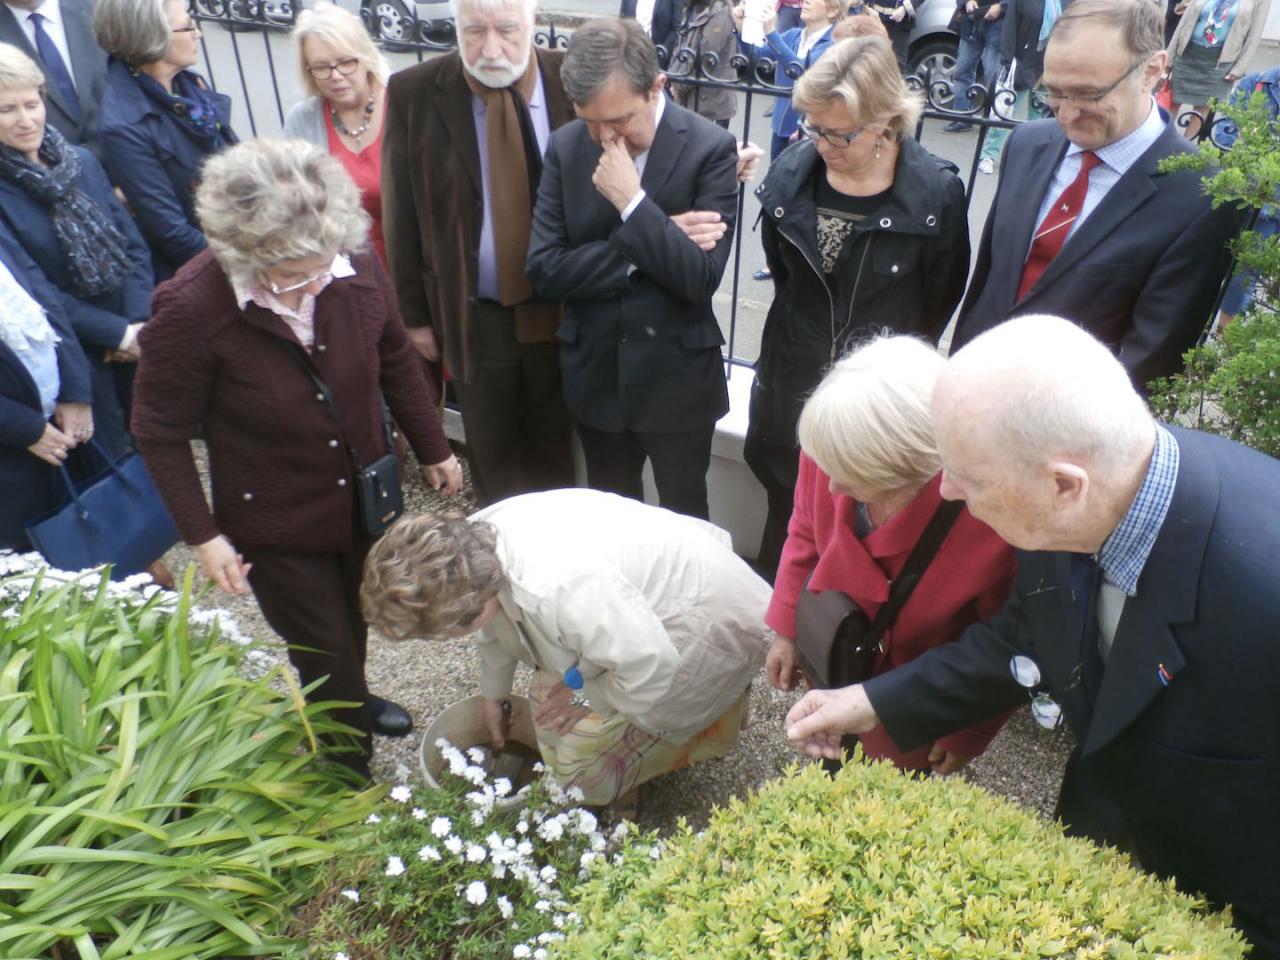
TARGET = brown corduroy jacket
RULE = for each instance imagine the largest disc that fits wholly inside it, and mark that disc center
(280, 472)
(433, 198)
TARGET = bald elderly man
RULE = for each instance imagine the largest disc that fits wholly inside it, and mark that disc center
(1145, 607)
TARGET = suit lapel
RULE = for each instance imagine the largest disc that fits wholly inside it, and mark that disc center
(668, 144)
(453, 102)
(1025, 215)
(1124, 199)
(11, 32)
(1144, 641)
(559, 109)
(84, 51)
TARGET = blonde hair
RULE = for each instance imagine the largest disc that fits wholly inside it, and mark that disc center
(863, 73)
(836, 9)
(266, 201)
(868, 424)
(18, 71)
(864, 24)
(431, 575)
(343, 31)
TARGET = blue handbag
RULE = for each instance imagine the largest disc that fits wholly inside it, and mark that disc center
(116, 517)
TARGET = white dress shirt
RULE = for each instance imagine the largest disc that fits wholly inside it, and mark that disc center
(644, 14)
(53, 26)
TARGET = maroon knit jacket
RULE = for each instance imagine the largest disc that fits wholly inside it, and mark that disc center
(281, 475)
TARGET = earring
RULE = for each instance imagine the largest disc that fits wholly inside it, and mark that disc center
(879, 144)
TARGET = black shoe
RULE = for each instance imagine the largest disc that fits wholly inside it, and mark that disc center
(390, 719)
(956, 126)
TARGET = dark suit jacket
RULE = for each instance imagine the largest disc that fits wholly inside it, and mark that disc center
(157, 166)
(639, 350)
(88, 63)
(1193, 767)
(667, 17)
(432, 197)
(1141, 273)
(28, 485)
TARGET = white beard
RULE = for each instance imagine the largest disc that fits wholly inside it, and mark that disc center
(497, 73)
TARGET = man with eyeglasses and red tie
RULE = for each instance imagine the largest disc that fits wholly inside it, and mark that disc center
(1084, 223)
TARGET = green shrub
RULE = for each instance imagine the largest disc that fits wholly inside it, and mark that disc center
(444, 874)
(876, 865)
(1231, 385)
(154, 803)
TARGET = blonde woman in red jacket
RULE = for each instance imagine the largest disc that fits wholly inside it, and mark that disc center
(868, 486)
(283, 295)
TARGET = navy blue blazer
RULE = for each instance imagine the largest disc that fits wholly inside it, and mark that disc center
(88, 63)
(1189, 760)
(1141, 273)
(157, 165)
(28, 485)
(99, 321)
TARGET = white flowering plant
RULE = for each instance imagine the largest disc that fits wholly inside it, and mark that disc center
(448, 874)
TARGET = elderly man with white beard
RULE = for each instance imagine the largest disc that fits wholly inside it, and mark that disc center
(462, 155)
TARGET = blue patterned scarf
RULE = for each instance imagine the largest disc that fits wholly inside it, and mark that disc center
(193, 104)
(94, 247)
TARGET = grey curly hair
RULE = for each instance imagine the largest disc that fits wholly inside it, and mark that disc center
(431, 576)
(265, 202)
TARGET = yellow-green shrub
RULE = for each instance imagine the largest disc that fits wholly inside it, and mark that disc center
(875, 864)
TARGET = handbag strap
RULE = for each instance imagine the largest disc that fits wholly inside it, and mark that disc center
(912, 572)
(322, 389)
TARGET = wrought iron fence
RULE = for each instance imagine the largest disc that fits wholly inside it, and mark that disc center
(253, 27)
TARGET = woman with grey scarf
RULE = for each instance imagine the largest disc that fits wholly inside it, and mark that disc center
(55, 200)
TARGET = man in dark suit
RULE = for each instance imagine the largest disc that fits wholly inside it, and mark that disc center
(1145, 604)
(457, 195)
(58, 35)
(661, 18)
(643, 375)
(1084, 224)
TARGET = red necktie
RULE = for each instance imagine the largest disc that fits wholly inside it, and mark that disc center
(1053, 229)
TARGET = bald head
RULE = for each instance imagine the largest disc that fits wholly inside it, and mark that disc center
(1040, 410)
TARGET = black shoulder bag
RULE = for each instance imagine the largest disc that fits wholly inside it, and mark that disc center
(379, 500)
(836, 645)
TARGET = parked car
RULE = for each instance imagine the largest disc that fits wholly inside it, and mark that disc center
(402, 22)
(931, 54)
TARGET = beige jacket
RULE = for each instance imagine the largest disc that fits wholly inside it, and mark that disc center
(1242, 39)
(664, 621)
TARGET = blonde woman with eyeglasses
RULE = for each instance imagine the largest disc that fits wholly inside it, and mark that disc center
(346, 77)
(864, 231)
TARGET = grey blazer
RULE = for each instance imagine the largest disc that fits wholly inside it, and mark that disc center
(88, 64)
(305, 121)
(1141, 273)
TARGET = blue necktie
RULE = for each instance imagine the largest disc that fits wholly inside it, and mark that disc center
(56, 66)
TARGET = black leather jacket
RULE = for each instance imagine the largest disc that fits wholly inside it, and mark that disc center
(904, 271)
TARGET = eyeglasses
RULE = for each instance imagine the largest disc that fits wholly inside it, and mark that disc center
(837, 140)
(1084, 99)
(291, 287)
(323, 71)
(1044, 709)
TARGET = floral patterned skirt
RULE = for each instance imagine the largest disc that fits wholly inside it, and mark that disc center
(604, 757)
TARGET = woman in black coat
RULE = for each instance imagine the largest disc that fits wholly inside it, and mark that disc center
(44, 394)
(864, 231)
(55, 200)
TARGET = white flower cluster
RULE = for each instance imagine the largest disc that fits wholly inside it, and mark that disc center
(506, 859)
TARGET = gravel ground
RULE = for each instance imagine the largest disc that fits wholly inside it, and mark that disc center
(1024, 763)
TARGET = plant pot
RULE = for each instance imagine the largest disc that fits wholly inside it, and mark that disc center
(462, 724)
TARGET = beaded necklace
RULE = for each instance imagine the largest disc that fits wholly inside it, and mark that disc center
(359, 131)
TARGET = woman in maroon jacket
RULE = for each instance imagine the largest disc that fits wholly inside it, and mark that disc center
(868, 486)
(232, 349)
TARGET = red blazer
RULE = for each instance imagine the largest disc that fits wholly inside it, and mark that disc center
(280, 475)
(968, 580)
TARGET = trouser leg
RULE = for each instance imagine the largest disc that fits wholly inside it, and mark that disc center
(680, 461)
(615, 461)
(776, 466)
(547, 441)
(312, 601)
